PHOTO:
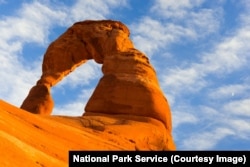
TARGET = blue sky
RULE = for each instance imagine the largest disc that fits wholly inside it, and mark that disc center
(199, 48)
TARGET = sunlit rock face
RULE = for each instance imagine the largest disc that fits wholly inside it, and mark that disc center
(128, 87)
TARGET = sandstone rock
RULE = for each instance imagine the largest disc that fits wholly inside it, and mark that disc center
(129, 84)
(44, 140)
(44, 101)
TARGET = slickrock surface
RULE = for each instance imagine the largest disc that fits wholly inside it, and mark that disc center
(43, 140)
(127, 111)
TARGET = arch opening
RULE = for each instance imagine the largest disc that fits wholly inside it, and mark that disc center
(72, 93)
(129, 85)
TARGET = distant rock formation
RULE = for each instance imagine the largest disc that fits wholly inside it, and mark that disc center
(129, 85)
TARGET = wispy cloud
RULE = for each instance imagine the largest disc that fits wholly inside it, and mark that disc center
(29, 24)
(173, 10)
(226, 105)
(93, 9)
(239, 107)
(179, 80)
(180, 117)
(227, 56)
(229, 91)
(211, 125)
(34, 19)
(156, 31)
(82, 75)
(75, 107)
(206, 140)
(32, 23)
(240, 127)
(149, 35)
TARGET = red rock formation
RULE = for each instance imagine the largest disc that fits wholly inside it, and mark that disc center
(44, 140)
(129, 85)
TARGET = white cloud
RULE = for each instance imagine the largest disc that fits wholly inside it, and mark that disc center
(32, 23)
(239, 107)
(206, 140)
(93, 9)
(172, 9)
(190, 15)
(228, 55)
(204, 21)
(210, 126)
(82, 75)
(15, 80)
(153, 33)
(183, 80)
(76, 106)
(229, 91)
(149, 35)
(89, 9)
(241, 128)
(184, 22)
(180, 118)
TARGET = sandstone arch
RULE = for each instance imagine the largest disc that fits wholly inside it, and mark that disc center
(129, 84)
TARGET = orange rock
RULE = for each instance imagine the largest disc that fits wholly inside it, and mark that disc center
(128, 87)
(44, 140)
(39, 95)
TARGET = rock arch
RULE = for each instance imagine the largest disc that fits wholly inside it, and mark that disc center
(129, 84)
